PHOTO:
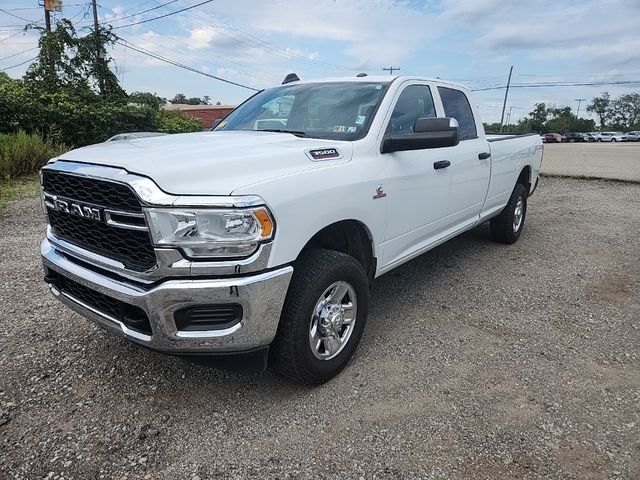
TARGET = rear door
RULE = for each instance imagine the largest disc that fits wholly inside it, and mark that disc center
(470, 168)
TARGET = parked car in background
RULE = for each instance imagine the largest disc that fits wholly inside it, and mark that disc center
(575, 137)
(553, 138)
(632, 136)
(592, 136)
(610, 137)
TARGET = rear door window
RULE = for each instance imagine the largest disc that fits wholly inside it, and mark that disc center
(456, 105)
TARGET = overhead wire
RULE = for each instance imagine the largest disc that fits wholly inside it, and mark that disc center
(19, 53)
(558, 84)
(162, 16)
(183, 66)
(19, 64)
(269, 48)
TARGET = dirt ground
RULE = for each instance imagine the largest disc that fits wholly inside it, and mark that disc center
(479, 360)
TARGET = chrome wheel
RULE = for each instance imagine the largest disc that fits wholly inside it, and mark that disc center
(518, 214)
(332, 320)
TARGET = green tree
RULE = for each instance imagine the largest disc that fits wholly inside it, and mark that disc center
(181, 98)
(600, 106)
(72, 63)
(147, 98)
(535, 120)
(625, 111)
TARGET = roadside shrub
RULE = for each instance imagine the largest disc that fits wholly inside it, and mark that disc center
(24, 153)
(174, 121)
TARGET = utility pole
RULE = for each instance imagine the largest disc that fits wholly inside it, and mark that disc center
(506, 94)
(47, 15)
(509, 115)
(391, 69)
(96, 35)
(579, 100)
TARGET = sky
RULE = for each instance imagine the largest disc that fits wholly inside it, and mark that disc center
(256, 43)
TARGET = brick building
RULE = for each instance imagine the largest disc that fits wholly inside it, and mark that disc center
(207, 114)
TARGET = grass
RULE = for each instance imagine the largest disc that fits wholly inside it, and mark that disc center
(18, 189)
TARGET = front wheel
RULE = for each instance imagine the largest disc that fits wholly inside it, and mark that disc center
(506, 227)
(613, 140)
(323, 317)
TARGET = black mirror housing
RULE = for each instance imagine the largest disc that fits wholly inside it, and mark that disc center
(428, 132)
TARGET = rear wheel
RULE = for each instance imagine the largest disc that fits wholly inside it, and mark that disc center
(323, 317)
(506, 227)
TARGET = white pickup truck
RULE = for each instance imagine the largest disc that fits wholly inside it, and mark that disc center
(260, 240)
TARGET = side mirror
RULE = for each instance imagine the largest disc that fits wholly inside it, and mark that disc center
(215, 123)
(427, 133)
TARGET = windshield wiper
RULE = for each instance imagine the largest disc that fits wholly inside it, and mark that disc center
(297, 133)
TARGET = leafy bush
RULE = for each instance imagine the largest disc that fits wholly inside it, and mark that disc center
(24, 153)
(68, 116)
(175, 121)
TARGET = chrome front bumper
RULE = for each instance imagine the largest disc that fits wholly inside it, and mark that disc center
(261, 296)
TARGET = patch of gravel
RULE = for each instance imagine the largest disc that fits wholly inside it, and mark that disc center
(479, 361)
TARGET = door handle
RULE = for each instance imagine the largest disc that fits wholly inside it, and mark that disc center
(441, 164)
(484, 155)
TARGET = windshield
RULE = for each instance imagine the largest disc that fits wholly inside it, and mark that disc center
(336, 111)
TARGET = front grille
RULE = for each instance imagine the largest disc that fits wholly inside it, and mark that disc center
(132, 248)
(133, 317)
(90, 190)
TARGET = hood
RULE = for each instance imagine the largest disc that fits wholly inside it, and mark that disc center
(210, 163)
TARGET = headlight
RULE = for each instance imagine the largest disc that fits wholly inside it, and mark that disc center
(209, 232)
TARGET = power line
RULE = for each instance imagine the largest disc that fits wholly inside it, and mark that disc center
(19, 53)
(585, 75)
(18, 16)
(269, 48)
(180, 65)
(19, 64)
(560, 84)
(163, 16)
(153, 42)
(144, 11)
(7, 38)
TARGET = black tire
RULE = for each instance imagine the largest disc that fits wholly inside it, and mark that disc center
(502, 226)
(613, 140)
(599, 140)
(291, 355)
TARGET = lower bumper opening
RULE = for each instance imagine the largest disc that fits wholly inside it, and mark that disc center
(208, 317)
(133, 317)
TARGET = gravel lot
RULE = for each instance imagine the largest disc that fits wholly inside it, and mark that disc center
(619, 161)
(479, 361)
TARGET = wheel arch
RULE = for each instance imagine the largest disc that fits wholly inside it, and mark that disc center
(348, 236)
(525, 177)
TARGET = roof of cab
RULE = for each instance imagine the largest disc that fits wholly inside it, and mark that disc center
(376, 78)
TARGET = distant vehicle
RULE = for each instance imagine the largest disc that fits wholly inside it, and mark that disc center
(610, 137)
(632, 136)
(553, 138)
(576, 137)
(592, 136)
(134, 135)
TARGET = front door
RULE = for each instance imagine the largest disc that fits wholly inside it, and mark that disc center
(417, 194)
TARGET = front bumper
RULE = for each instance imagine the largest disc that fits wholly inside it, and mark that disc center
(261, 296)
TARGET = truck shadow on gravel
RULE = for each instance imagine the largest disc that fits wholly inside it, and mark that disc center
(397, 291)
